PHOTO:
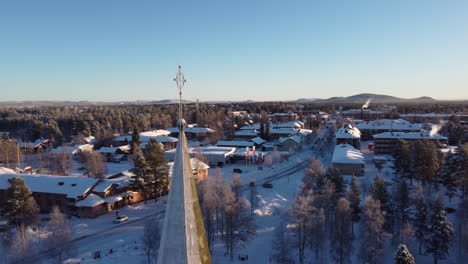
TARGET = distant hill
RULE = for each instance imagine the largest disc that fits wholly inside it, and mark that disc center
(355, 99)
(375, 98)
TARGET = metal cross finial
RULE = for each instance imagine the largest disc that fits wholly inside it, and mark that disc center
(180, 81)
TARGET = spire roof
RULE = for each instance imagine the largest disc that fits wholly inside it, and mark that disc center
(183, 238)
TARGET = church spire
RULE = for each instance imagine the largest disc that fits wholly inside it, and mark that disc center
(183, 238)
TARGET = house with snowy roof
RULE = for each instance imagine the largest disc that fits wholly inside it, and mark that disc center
(215, 155)
(258, 141)
(364, 114)
(349, 160)
(161, 136)
(387, 143)
(50, 191)
(290, 144)
(193, 132)
(370, 128)
(349, 134)
(245, 134)
(234, 143)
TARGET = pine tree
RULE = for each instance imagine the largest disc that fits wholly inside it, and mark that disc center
(136, 142)
(403, 256)
(158, 170)
(335, 176)
(373, 238)
(379, 192)
(141, 171)
(401, 200)
(20, 206)
(403, 160)
(354, 194)
(421, 219)
(342, 240)
(440, 232)
(453, 171)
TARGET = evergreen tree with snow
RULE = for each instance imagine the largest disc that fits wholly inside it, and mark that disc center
(141, 171)
(342, 238)
(451, 172)
(402, 203)
(158, 171)
(136, 142)
(373, 234)
(440, 232)
(421, 219)
(379, 192)
(403, 256)
(20, 207)
(335, 176)
(354, 193)
(402, 157)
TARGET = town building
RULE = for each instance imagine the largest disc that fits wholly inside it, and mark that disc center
(349, 160)
(364, 114)
(216, 156)
(193, 132)
(386, 143)
(235, 144)
(370, 128)
(349, 134)
(161, 136)
(289, 144)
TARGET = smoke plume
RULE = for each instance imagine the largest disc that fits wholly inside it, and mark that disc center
(366, 104)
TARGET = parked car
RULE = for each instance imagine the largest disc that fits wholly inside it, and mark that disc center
(237, 170)
(120, 219)
(267, 185)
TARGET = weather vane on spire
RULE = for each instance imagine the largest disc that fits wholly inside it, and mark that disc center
(180, 81)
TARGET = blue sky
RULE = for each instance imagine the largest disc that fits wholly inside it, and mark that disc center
(113, 50)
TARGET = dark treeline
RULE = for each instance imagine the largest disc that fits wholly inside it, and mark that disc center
(62, 123)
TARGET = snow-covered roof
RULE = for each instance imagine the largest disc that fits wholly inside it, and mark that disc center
(163, 139)
(348, 131)
(252, 133)
(305, 132)
(60, 150)
(193, 130)
(290, 124)
(255, 126)
(71, 186)
(103, 186)
(4, 170)
(90, 139)
(345, 153)
(235, 143)
(84, 147)
(389, 124)
(125, 148)
(258, 140)
(91, 200)
(427, 115)
(108, 149)
(283, 131)
(155, 133)
(409, 135)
